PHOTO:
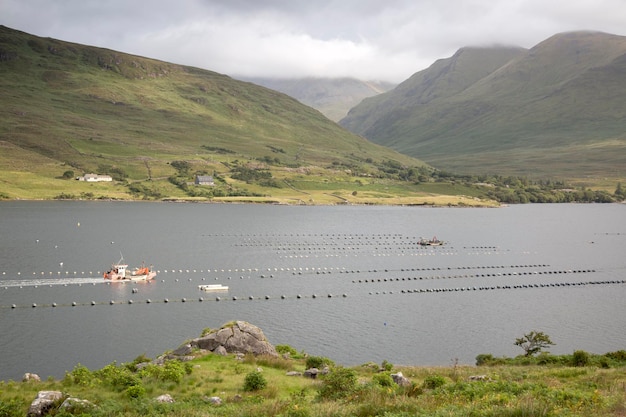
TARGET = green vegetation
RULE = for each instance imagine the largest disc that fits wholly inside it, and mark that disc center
(554, 111)
(581, 384)
(533, 342)
(153, 126)
(69, 109)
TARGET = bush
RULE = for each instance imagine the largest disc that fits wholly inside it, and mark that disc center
(117, 377)
(339, 383)
(136, 391)
(317, 362)
(80, 375)
(484, 359)
(254, 381)
(383, 379)
(172, 371)
(286, 349)
(434, 381)
(580, 358)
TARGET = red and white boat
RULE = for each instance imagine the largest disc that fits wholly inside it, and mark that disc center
(120, 272)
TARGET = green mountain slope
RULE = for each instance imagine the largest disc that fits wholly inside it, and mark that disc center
(334, 97)
(69, 109)
(558, 109)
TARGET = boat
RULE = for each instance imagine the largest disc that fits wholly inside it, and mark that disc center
(213, 287)
(432, 242)
(119, 272)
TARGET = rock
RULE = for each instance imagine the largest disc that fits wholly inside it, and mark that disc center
(220, 350)
(401, 379)
(43, 403)
(237, 337)
(31, 377)
(294, 373)
(311, 373)
(215, 400)
(165, 398)
(77, 405)
(183, 350)
(478, 378)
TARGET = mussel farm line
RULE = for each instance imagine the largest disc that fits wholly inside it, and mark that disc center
(267, 298)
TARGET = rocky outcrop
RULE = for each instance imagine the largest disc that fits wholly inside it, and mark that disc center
(236, 337)
(401, 379)
(44, 402)
(31, 377)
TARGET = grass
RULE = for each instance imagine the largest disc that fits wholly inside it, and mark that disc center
(506, 390)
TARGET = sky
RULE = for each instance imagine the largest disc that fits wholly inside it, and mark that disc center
(386, 40)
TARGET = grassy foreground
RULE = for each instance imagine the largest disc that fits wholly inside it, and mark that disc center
(260, 386)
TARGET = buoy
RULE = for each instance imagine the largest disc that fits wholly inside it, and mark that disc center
(93, 303)
(166, 301)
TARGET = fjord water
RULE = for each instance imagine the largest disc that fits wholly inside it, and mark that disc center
(349, 283)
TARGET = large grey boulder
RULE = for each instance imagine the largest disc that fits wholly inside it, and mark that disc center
(401, 379)
(43, 403)
(237, 337)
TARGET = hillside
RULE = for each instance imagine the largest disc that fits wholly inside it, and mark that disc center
(297, 384)
(555, 110)
(334, 97)
(70, 109)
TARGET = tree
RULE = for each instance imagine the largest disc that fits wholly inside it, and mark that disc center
(533, 342)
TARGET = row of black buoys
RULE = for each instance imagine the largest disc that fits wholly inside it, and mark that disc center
(510, 287)
(505, 274)
(184, 300)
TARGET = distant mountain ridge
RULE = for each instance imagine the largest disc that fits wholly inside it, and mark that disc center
(557, 109)
(334, 97)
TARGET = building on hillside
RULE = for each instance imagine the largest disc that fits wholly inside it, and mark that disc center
(95, 178)
(204, 180)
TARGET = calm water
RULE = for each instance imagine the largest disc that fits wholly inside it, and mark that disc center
(343, 282)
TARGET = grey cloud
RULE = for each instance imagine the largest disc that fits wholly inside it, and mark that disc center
(369, 39)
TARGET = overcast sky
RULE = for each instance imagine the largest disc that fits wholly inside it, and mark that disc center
(366, 39)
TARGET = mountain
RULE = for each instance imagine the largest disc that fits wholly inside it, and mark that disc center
(555, 110)
(334, 97)
(68, 109)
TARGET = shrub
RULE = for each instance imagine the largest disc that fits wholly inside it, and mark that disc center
(434, 381)
(254, 381)
(383, 379)
(135, 391)
(580, 358)
(118, 377)
(286, 349)
(317, 362)
(338, 383)
(80, 375)
(484, 359)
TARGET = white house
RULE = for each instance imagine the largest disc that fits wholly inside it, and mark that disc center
(95, 178)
